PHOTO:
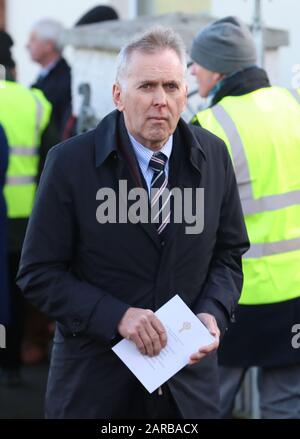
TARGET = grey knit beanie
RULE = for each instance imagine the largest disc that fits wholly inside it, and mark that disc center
(224, 46)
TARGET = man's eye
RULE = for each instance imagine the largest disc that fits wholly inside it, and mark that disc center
(172, 86)
(146, 86)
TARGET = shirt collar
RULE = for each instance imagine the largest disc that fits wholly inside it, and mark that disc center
(144, 154)
(45, 70)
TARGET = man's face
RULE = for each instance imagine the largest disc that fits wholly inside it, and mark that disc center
(205, 78)
(152, 96)
(39, 49)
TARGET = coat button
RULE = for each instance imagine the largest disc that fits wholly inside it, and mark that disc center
(162, 243)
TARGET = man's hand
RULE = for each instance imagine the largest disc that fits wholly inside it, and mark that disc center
(145, 330)
(210, 322)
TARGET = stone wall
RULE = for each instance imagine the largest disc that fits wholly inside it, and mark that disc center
(96, 48)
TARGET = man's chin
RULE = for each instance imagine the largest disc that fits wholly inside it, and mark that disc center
(158, 140)
(158, 133)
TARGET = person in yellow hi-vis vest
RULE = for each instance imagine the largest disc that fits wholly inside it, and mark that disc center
(260, 125)
(25, 117)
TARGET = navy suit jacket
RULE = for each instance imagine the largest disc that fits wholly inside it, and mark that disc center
(85, 275)
(56, 86)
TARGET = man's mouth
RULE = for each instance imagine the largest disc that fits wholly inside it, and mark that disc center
(158, 118)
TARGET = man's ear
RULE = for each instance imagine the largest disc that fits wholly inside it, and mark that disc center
(218, 77)
(184, 101)
(117, 96)
(186, 94)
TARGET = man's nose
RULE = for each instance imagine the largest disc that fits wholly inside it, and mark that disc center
(159, 97)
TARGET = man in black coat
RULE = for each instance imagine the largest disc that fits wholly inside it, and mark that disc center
(103, 278)
(55, 76)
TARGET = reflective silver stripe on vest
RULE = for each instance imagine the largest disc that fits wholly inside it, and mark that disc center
(295, 94)
(249, 204)
(15, 181)
(273, 202)
(23, 151)
(238, 151)
(38, 119)
(272, 248)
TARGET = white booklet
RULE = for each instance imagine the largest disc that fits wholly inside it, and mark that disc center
(186, 335)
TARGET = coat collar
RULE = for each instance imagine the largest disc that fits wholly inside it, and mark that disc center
(106, 138)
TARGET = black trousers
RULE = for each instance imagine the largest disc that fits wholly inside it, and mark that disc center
(144, 405)
(161, 406)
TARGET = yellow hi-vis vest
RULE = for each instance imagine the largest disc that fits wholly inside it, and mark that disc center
(24, 115)
(262, 132)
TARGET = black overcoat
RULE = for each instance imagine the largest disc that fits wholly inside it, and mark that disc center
(85, 275)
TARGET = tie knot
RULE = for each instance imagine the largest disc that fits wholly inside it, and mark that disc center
(158, 162)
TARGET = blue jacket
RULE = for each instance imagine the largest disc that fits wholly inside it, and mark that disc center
(4, 295)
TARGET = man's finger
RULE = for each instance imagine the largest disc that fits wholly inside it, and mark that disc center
(137, 340)
(211, 324)
(159, 328)
(150, 335)
(212, 327)
(209, 348)
(147, 342)
(197, 356)
(155, 338)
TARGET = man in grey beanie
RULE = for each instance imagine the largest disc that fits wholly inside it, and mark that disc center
(226, 46)
(260, 126)
(220, 50)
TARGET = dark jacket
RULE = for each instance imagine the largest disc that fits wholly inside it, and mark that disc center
(4, 294)
(261, 335)
(86, 275)
(56, 86)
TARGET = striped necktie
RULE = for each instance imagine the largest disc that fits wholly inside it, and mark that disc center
(159, 196)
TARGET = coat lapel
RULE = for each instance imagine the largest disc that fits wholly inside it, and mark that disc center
(129, 170)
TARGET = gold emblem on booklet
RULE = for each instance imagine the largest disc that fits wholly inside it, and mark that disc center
(185, 326)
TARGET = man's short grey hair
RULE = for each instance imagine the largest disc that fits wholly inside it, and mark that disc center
(154, 40)
(50, 30)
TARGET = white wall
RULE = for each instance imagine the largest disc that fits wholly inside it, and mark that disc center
(282, 14)
(21, 14)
